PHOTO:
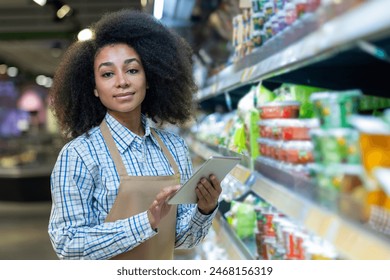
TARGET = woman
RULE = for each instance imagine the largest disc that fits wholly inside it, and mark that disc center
(111, 181)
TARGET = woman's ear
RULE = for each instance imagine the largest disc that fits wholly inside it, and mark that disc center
(95, 92)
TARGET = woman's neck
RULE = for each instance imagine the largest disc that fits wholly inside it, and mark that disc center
(133, 123)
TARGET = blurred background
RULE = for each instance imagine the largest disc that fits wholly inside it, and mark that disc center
(33, 37)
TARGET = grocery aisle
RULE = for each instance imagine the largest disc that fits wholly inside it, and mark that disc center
(305, 111)
(283, 102)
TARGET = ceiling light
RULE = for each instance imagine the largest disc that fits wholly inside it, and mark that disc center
(63, 11)
(85, 34)
(49, 82)
(40, 2)
(144, 3)
(12, 71)
(40, 80)
(3, 69)
(158, 9)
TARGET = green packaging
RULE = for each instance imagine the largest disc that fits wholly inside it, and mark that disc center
(334, 108)
(338, 145)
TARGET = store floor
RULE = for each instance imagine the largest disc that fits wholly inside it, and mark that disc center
(23, 231)
(23, 234)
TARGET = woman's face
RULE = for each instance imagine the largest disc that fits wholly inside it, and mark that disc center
(120, 80)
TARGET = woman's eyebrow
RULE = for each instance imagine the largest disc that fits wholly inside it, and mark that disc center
(105, 64)
(127, 61)
(130, 60)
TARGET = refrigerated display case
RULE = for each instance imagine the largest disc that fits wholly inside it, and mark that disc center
(342, 45)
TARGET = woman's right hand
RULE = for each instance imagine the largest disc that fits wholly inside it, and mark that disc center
(160, 208)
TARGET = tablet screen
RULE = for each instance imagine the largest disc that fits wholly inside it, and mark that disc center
(220, 166)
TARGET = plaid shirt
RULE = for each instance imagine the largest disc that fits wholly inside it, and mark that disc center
(84, 185)
(380, 219)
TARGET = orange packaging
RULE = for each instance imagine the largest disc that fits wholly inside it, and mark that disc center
(376, 197)
(386, 203)
(375, 151)
(374, 141)
(382, 176)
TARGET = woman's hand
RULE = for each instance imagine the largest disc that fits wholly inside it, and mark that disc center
(160, 208)
(208, 192)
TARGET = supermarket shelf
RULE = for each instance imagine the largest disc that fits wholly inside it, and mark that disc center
(341, 46)
(202, 150)
(294, 197)
(328, 37)
(234, 246)
(352, 240)
(205, 150)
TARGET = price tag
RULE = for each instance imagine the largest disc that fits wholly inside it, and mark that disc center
(246, 74)
(241, 174)
(214, 88)
(242, 79)
(250, 72)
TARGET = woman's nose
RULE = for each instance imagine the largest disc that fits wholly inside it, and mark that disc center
(122, 81)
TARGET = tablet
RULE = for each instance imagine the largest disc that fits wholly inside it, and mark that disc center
(220, 166)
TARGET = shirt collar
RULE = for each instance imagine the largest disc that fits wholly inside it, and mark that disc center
(123, 136)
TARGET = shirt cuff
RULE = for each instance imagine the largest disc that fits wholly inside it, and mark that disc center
(138, 228)
(202, 219)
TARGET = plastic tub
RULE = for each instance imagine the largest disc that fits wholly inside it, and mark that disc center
(334, 108)
(296, 129)
(297, 152)
(264, 147)
(279, 110)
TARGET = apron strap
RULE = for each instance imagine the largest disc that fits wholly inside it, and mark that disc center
(113, 149)
(117, 157)
(165, 151)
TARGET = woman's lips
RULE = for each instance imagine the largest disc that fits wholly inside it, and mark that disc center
(126, 95)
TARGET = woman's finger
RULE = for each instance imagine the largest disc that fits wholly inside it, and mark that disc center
(216, 183)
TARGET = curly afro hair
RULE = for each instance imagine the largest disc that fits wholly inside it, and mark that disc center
(166, 58)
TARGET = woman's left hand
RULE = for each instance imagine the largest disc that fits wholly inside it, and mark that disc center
(208, 192)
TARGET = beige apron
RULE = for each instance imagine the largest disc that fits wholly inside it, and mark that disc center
(135, 195)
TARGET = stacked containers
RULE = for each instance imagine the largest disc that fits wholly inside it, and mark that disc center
(336, 147)
(271, 17)
(278, 238)
(284, 137)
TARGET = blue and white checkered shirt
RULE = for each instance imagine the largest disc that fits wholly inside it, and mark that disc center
(84, 185)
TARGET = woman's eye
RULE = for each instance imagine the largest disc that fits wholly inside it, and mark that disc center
(107, 74)
(132, 71)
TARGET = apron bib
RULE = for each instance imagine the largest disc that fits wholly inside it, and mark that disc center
(135, 195)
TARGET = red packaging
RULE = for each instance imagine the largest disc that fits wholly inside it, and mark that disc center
(264, 147)
(297, 152)
(296, 129)
(280, 110)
